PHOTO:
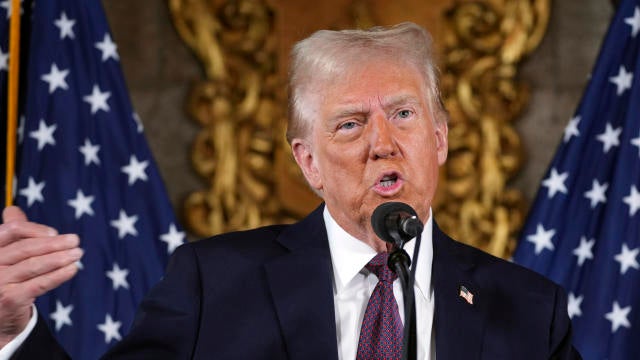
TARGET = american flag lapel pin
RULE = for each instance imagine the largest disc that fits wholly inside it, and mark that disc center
(466, 294)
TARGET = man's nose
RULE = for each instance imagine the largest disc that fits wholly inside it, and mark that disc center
(383, 142)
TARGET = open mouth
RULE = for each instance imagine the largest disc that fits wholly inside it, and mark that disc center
(388, 180)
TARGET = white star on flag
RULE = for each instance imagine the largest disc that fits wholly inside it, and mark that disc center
(610, 137)
(56, 78)
(573, 305)
(6, 4)
(66, 26)
(627, 258)
(98, 100)
(135, 170)
(108, 48)
(62, 315)
(622, 81)
(618, 317)
(542, 239)
(111, 329)
(584, 250)
(633, 200)
(596, 194)
(125, 224)
(634, 22)
(81, 204)
(44, 134)
(118, 277)
(4, 60)
(90, 152)
(21, 130)
(555, 182)
(136, 118)
(33, 192)
(173, 238)
(572, 128)
(636, 142)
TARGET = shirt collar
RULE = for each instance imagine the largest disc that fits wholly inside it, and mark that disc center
(350, 255)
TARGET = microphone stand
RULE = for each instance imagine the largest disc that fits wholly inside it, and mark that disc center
(399, 262)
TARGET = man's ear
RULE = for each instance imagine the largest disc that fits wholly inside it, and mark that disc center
(442, 144)
(303, 153)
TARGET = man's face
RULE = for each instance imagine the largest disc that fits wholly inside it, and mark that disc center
(373, 140)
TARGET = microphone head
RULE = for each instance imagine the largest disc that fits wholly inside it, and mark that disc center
(386, 222)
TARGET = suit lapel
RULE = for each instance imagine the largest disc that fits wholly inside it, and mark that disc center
(301, 287)
(458, 325)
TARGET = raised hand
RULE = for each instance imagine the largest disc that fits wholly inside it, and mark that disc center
(34, 259)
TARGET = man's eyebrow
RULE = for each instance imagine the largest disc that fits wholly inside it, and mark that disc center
(394, 101)
(350, 110)
(388, 103)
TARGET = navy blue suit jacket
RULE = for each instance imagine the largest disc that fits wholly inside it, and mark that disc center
(267, 294)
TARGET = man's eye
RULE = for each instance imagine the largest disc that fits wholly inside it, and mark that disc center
(348, 125)
(404, 113)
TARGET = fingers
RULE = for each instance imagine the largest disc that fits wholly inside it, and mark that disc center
(16, 226)
(24, 293)
(40, 285)
(39, 266)
(13, 213)
(18, 251)
(33, 260)
(21, 283)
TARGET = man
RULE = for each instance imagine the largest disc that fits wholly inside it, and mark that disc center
(366, 127)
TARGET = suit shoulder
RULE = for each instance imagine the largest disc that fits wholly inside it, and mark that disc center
(258, 242)
(500, 270)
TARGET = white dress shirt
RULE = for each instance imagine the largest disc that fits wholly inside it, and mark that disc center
(7, 351)
(353, 285)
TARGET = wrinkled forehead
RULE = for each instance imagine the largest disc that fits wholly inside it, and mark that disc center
(355, 68)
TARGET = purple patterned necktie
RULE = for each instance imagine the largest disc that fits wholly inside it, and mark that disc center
(381, 333)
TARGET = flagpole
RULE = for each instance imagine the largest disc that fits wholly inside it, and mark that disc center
(12, 99)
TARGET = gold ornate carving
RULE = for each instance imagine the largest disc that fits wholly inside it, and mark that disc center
(241, 103)
(239, 106)
(484, 44)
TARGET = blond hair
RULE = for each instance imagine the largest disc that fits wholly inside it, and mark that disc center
(327, 54)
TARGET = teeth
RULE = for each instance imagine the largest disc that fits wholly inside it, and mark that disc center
(388, 180)
(387, 183)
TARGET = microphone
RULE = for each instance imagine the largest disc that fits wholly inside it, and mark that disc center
(396, 223)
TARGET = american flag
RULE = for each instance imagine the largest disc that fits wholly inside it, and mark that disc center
(85, 167)
(466, 294)
(583, 230)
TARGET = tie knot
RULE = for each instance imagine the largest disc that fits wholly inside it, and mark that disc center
(378, 266)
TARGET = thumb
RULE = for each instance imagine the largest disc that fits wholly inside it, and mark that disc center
(13, 213)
